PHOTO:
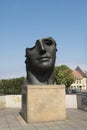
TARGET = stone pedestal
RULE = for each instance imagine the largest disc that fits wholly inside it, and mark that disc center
(43, 103)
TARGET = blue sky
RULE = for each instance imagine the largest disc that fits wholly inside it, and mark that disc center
(22, 22)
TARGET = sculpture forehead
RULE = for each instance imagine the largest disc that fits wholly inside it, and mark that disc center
(48, 39)
(42, 41)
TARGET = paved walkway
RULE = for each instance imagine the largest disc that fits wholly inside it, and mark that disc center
(10, 119)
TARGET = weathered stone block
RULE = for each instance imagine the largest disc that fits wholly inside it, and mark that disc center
(43, 103)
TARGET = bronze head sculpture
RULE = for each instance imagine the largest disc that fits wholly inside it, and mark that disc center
(40, 61)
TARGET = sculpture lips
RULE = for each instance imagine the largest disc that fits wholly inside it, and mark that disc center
(44, 58)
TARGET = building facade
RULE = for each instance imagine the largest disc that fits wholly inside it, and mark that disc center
(81, 79)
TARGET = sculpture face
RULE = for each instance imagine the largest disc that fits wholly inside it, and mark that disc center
(42, 56)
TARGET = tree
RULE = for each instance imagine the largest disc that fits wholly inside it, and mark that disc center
(63, 75)
(11, 86)
(1, 87)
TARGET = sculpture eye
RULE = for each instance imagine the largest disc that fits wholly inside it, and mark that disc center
(48, 43)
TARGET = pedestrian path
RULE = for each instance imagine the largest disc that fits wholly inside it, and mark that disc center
(10, 119)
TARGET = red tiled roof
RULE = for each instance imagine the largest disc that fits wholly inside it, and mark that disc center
(80, 71)
(77, 74)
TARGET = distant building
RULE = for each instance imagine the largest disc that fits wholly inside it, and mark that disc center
(81, 79)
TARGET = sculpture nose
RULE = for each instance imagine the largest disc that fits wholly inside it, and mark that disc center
(41, 47)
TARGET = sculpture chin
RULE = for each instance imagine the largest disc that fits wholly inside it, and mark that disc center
(45, 64)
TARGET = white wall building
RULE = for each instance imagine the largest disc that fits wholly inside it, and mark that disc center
(81, 80)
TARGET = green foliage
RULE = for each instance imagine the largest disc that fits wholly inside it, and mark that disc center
(63, 75)
(11, 86)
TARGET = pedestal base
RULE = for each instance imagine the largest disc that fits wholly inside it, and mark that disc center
(43, 103)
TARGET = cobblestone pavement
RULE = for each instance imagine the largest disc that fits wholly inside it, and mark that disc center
(10, 119)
